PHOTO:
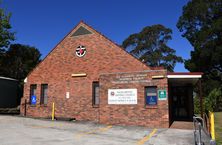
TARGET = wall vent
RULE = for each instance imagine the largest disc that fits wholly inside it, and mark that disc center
(81, 31)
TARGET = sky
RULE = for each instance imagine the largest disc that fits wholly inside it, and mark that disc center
(43, 23)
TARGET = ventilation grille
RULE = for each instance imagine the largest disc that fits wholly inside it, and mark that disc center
(81, 31)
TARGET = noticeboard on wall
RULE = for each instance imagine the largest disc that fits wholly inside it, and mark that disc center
(122, 96)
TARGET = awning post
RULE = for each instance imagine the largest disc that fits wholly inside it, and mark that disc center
(201, 98)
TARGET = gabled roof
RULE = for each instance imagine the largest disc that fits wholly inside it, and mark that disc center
(81, 23)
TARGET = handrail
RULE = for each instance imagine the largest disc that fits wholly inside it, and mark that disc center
(202, 126)
(199, 127)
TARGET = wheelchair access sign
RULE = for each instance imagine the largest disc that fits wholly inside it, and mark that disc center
(33, 100)
(151, 100)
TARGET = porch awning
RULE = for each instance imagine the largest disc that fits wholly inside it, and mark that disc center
(183, 78)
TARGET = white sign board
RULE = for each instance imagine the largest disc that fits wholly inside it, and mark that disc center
(122, 96)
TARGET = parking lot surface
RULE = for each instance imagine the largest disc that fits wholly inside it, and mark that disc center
(15, 130)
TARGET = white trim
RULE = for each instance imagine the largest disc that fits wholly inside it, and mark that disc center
(183, 76)
(8, 78)
(25, 80)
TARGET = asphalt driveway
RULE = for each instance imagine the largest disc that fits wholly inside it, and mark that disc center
(16, 130)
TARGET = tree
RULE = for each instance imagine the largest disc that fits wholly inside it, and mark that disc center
(17, 60)
(20, 60)
(5, 34)
(150, 46)
(201, 23)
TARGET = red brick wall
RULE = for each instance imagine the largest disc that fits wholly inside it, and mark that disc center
(135, 114)
(102, 56)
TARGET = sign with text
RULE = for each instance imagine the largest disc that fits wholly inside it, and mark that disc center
(162, 95)
(122, 96)
(131, 78)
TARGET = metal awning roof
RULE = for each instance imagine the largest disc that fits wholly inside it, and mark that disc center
(184, 75)
(183, 78)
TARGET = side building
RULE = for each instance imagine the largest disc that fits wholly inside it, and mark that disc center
(9, 93)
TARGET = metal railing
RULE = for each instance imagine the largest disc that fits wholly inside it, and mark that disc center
(202, 134)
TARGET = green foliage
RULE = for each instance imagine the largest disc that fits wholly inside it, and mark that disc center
(218, 127)
(201, 24)
(213, 101)
(19, 60)
(150, 46)
(5, 34)
(196, 101)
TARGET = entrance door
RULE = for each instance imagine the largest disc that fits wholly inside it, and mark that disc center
(181, 103)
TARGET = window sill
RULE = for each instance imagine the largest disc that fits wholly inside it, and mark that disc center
(43, 105)
(151, 107)
(95, 106)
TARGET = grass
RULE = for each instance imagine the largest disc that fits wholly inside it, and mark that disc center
(218, 127)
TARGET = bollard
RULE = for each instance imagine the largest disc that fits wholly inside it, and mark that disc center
(212, 130)
(53, 111)
(25, 107)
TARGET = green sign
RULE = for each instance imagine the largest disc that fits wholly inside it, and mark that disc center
(162, 95)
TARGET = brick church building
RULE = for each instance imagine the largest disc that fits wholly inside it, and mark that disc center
(89, 77)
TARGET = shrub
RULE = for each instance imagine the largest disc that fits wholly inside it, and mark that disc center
(213, 102)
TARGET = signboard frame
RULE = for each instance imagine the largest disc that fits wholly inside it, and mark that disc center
(122, 96)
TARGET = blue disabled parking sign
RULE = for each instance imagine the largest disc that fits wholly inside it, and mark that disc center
(33, 100)
(151, 100)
